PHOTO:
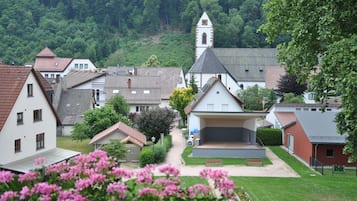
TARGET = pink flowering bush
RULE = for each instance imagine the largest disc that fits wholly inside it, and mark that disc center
(97, 177)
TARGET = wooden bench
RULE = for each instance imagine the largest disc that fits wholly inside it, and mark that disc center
(213, 162)
(254, 162)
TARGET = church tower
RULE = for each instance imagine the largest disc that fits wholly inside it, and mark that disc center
(204, 35)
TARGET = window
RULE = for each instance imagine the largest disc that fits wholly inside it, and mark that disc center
(85, 66)
(52, 75)
(97, 95)
(17, 145)
(29, 90)
(204, 38)
(46, 75)
(20, 118)
(204, 22)
(329, 153)
(310, 96)
(81, 66)
(146, 91)
(40, 141)
(37, 115)
(76, 66)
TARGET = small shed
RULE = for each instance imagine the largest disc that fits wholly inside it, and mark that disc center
(133, 139)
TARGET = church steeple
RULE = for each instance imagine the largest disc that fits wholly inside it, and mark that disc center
(204, 35)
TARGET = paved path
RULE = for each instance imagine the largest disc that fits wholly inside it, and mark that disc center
(278, 168)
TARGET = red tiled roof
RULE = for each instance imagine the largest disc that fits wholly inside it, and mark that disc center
(52, 64)
(12, 79)
(286, 118)
(134, 136)
(46, 52)
(272, 76)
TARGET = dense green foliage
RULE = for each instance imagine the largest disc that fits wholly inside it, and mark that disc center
(179, 99)
(115, 149)
(269, 136)
(154, 122)
(156, 153)
(96, 29)
(292, 98)
(119, 105)
(97, 120)
(323, 41)
(257, 98)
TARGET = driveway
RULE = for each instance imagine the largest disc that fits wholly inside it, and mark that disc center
(278, 168)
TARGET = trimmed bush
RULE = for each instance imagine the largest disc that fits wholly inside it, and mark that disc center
(146, 157)
(159, 154)
(168, 142)
(269, 136)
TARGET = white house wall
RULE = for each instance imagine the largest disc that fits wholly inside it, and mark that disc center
(224, 123)
(28, 130)
(251, 84)
(95, 84)
(113, 136)
(215, 100)
(227, 80)
(91, 66)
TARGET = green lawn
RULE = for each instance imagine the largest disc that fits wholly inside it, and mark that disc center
(66, 142)
(225, 161)
(311, 186)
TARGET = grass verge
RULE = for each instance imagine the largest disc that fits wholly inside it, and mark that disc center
(202, 161)
(66, 142)
(310, 186)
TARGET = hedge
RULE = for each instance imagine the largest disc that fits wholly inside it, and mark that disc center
(157, 153)
(269, 136)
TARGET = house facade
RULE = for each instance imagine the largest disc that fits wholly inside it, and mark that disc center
(133, 140)
(312, 136)
(223, 128)
(53, 67)
(28, 122)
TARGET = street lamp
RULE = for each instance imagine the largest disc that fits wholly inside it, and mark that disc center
(153, 142)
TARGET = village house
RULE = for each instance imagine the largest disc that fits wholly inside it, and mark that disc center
(217, 119)
(28, 121)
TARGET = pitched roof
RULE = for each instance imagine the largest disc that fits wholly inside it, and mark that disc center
(142, 90)
(272, 76)
(286, 118)
(12, 80)
(134, 136)
(320, 127)
(170, 77)
(73, 103)
(208, 63)
(205, 89)
(46, 60)
(247, 64)
(46, 52)
(76, 78)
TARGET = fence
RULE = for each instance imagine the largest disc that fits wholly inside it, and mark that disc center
(314, 163)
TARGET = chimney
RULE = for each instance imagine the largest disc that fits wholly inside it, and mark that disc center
(129, 83)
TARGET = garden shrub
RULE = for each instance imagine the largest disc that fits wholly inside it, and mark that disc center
(146, 157)
(168, 142)
(159, 154)
(269, 136)
(97, 177)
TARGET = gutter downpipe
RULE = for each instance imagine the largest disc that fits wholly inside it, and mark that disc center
(316, 145)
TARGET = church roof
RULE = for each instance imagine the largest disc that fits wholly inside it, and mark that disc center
(208, 63)
(247, 64)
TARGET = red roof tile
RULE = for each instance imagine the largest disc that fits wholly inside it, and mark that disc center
(46, 52)
(12, 79)
(134, 136)
(286, 118)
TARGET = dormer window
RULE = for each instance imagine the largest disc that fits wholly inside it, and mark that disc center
(204, 22)
(204, 38)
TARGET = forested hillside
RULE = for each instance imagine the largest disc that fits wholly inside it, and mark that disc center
(96, 29)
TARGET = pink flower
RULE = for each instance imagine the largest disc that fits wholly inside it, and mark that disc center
(28, 176)
(148, 192)
(40, 161)
(83, 183)
(8, 195)
(6, 176)
(70, 195)
(45, 188)
(169, 170)
(170, 190)
(144, 176)
(198, 190)
(115, 188)
(25, 192)
(57, 168)
(121, 172)
(97, 178)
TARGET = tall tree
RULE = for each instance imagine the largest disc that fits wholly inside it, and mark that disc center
(179, 99)
(257, 98)
(288, 84)
(119, 105)
(323, 41)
